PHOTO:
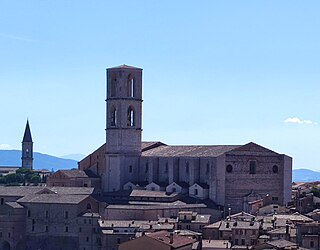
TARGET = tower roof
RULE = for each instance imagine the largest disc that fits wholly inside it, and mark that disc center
(124, 66)
(27, 134)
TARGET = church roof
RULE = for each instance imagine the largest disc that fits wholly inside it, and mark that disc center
(188, 151)
(27, 134)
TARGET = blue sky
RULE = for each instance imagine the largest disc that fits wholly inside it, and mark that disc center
(215, 72)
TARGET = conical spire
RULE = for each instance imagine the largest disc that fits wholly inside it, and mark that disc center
(27, 134)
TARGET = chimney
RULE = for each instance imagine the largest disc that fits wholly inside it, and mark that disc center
(171, 237)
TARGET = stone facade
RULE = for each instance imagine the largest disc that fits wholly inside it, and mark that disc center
(229, 173)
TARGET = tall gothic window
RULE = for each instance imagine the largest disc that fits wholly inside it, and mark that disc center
(130, 84)
(114, 117)
(130, 115)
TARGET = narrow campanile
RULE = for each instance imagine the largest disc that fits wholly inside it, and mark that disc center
(27, 148)
(123, 129)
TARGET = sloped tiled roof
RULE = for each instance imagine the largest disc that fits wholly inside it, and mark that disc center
(178, 240)
(188, 151)
(53, 199)
(14, 204)
(18, 191)
(281, 243)
(74, 173)
(72, 190)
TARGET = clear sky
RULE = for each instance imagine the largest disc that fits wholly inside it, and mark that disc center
(215, 72)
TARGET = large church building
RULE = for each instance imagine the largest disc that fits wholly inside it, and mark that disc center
(229, 175)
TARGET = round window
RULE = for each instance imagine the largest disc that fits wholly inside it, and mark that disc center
(275, 169)
(229, 168)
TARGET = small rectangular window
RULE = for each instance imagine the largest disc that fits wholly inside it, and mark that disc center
(66, 229)
(253, 166)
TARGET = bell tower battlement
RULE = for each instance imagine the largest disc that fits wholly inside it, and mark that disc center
(124, 110)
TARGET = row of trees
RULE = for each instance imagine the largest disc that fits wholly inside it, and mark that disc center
(22, 176)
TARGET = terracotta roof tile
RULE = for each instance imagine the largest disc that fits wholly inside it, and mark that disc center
(164, 237)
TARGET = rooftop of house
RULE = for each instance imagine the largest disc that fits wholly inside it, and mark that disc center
(157, 206)
(75, 173)
(216, 244)
(296, 217)
(164, 237)
(281, 243)
(52, 199)
(21, 191)
(229, 225)
(202, 218)
(142, 193)
(215, 225)
(14, 204)
(142, 225)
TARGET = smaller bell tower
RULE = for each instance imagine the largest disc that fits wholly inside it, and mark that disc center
(27, 148)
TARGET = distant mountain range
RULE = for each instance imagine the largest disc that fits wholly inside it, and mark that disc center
(41, 161)
(305, 175)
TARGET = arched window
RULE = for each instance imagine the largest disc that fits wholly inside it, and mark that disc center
(88, 206)
(130, 85)
(275, 169)
(195, 191)
(114, 117)
(130, 115)
(229, 168)
(113, 86)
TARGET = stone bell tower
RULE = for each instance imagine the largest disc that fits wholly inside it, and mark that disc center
(123, 129)
(27, 148)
